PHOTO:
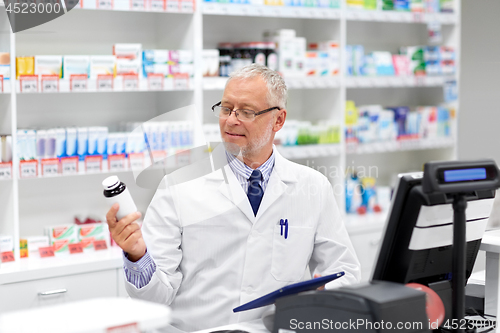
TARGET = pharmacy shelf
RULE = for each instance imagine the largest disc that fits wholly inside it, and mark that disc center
(400, 17)
(310, 151)
(35, 268)
(218, 83)
(369, 222)
(118, 86)
(397, 81)
(401, 145)
(212, 8)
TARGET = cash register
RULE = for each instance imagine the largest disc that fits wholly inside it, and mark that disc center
(432, 237)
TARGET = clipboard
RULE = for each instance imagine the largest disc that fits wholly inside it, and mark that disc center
(288, 290)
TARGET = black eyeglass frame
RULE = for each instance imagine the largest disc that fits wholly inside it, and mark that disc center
(255, 113)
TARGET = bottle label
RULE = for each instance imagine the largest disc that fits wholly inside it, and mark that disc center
(260, 59)
(272, 61)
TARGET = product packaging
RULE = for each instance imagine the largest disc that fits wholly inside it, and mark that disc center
(155, 68)
(48, 65)
(102, 65)
(400, 114)
(312, 63)
(88, 233)
(61, 236)
(60, 142)
(349, 60)
(5, 65)
(401, 65)
(383, 62)
(211, 62)
(30, 145)
(71, 141)
(126, 66)
(25, 66)
(75, 65)
(82, 139)
(387, 130)
(30, 245)
(6, 243)
(358, 60)
(156, 56)
(128, 51)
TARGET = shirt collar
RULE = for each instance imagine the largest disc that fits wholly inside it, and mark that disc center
(245, 171)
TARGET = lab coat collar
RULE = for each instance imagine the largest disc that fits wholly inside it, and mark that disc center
(231, 188)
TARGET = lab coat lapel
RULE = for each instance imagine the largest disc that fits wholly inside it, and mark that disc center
(278, 183)
(234, 193)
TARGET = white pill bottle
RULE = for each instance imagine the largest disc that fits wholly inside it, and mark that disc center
(116, 191)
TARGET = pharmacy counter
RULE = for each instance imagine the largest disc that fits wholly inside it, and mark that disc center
(35, 282)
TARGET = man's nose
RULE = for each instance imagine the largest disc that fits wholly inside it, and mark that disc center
(232, 119)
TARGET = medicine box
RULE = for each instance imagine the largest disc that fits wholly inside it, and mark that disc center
(75, 65)
(88, 233)
(102, 65)
(61, 236)
(48, 65)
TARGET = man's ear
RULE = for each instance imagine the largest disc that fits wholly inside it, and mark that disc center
(280, 120)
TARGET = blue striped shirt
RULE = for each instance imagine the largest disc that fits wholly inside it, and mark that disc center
(139, 273)
(243, 171)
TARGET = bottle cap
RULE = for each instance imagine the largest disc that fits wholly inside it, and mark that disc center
(110, 183)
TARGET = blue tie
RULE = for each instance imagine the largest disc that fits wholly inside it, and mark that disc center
(255, 192)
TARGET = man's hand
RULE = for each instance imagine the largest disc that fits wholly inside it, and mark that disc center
(127, 233)
(322, 287)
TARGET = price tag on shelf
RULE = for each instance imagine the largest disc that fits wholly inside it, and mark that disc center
(172, 6)
(50, 83)
(130, 82)
(100, 245)
(78, 83)
(93, 163)
(105, 82)
(155, 81)
(419, 80)
(69, 165)
(46, 251)
(187, 6)
(183, 157)
(28, 169)
(29, 83)
(6, 170)
(418, 17)
(137, 5)
(50, 166)
(7, 256)
(136, 161)
(117, 162)
(159, 157)
(128, 328)
(157, 5)
(181, 81)
(75, 248)
(104, 4)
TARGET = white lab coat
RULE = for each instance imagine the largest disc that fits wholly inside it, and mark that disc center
(213, 254)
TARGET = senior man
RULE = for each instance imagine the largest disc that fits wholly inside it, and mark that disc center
(218, 241)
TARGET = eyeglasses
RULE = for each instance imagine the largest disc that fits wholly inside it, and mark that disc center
(242, 115)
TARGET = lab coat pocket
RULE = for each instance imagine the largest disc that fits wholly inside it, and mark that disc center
(291, 254)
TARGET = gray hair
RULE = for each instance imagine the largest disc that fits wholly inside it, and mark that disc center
(276, 87)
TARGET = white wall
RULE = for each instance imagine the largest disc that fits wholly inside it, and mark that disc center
(479, 115)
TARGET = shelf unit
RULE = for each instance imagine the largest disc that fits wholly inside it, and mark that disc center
(28, 205)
